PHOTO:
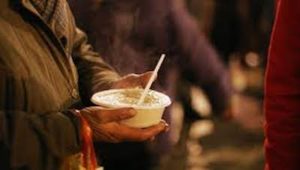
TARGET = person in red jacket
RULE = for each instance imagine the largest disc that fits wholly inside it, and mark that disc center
(282, 95)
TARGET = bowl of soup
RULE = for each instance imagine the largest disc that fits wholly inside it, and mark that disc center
(148, 113)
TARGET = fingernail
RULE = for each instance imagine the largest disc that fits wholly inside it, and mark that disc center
(128, 113)
(167, 127)
(163, 121)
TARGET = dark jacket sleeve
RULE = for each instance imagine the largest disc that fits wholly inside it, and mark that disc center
(32, 139)
(200, 62)
(94, 73)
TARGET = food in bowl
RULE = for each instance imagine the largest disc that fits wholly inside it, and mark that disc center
(148, 113)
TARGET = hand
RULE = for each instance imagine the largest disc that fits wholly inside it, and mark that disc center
(106, 127)
(133, 80)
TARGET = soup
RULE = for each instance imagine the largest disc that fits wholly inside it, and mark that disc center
(130, 97)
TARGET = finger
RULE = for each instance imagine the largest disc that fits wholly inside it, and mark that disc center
(166, 124)
(115, 115)
(128, 81)
(130, 77)
(136, 134)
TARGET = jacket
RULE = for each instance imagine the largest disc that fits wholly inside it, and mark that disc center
(41, 78)
(282, 90)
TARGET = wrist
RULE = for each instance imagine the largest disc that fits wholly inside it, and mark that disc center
(72, 114)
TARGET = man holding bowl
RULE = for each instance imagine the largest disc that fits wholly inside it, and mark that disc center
(46, 69)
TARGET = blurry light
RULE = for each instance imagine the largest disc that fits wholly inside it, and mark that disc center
(238, 77)
(177, 120)
(201, 128)
(200, 102)
(194, 148)
(252, 59)
(195, 159)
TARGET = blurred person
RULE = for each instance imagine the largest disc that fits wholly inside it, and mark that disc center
(44, 60)
(282, 100)
(235, 26)
(132, 34)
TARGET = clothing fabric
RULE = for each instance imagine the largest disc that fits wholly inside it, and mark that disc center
(45, 8)
(41, 78)
(53, 13)
(282, 92)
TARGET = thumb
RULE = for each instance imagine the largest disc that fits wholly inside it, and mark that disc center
(114, 115)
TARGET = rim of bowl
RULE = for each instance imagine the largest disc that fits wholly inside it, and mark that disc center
(166, 99)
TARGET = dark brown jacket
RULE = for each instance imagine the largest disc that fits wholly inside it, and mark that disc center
(38, 84)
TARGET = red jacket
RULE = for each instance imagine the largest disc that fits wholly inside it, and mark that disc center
(282, 90)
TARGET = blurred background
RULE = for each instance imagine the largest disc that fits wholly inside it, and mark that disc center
(238, 31)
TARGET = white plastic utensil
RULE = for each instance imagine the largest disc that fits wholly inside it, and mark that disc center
(151, 80)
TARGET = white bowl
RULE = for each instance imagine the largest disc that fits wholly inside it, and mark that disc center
(147, 114)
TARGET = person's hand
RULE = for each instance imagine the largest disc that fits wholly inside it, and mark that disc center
(106, 127)
(133, 80)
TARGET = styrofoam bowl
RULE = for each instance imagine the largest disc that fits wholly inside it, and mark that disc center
(147, 115)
